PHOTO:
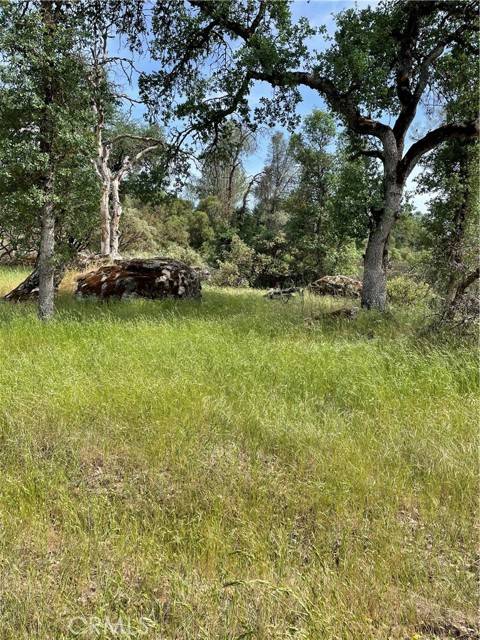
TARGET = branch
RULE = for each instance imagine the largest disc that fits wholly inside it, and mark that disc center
(120, 60)
(129, 163)
(235, 27)
(432, 139)
(342, 103)
(220, 114)
(247, 192)
(131, 136)
(97, 170)
(469, 280)
(124, 96)
(407, 39)
(409, 98)
(194, 44)
(144, 152)
(368, 153)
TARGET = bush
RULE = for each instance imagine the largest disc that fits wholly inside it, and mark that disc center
(406, 290)
(345, 260)
(237, 269)
(184, 254)
(228, 275)
(199, 229)
(137, 235)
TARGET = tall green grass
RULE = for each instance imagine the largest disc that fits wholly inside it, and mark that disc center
(233, 468)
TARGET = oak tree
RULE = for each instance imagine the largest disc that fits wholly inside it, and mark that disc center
(375, 76)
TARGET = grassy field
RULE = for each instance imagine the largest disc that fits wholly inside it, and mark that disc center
(234, 468)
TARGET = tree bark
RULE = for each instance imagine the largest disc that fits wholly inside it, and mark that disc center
(46, 257)
(374, 291)
(104, 173)
(115, 219)
(105, 238)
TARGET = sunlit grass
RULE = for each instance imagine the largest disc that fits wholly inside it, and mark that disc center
(233, 468)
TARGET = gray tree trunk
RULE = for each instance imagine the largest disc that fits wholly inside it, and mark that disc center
(105, 238)
(456, 255)
(374, 291)
(115, 219)
(46, 256)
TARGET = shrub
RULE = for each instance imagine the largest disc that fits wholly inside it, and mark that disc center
(184, 254)
(228, 275)
(406, 290)
(199, 229)
(344, 260)
(237, 269)
(137, 235)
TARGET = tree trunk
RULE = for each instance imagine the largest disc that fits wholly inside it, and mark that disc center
(374, 291)
(456, 291)
(319, 248)
(456, 257)
(453, 293)
(105, 238)
(46, 256)
(115, 219)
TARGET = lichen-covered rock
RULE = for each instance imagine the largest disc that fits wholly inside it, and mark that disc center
(27, 290)
(145, 278)
(337, 286)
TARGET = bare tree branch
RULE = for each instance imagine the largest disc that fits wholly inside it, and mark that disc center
(431, 140)
(368, 153)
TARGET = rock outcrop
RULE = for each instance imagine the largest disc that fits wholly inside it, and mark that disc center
(144, 278)
(337, 286)
(27, 290)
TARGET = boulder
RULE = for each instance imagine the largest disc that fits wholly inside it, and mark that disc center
(27, 290)
(144, 278)
(337, 286)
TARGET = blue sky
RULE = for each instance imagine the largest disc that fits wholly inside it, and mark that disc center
(318, 12)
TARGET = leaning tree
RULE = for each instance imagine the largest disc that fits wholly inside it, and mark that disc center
(378, 75)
